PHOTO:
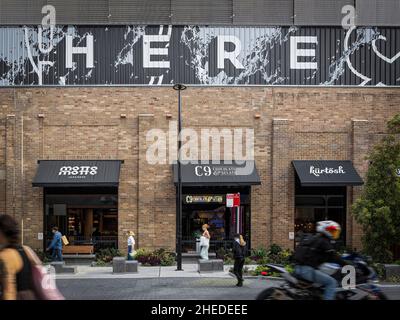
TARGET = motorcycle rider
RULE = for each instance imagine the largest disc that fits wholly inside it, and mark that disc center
(318, 250)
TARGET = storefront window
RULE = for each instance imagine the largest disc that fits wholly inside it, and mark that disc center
(84, 216)
(208, 206)
(313, 204)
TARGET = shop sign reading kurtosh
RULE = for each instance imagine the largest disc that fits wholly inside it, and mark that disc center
(155, 55)
(326, 173)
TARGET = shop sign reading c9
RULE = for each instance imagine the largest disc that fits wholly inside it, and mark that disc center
(207, 171)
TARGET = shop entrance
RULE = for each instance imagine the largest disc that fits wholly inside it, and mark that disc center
(87, 216)
(314, 204)
(207, 205)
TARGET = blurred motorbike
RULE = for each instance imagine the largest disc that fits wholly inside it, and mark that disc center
(296, 288)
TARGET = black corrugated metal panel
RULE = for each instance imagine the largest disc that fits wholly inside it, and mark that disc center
(80, 11)
(201, 12)
(378, 12)
(319, 12)
(364, 56)
(140, 11)
(263, 12)
(21, 11)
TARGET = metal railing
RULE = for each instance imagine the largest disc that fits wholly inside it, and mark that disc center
(99, 242)
(189, 244)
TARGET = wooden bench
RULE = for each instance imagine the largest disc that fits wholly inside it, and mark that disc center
(83, 249)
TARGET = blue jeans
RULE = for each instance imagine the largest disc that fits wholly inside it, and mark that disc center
(57, 254)
(316, 276)
(129, 253)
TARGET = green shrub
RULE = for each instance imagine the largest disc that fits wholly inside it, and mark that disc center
(228, 260)
(394, 279)
(43, 255)
(100, 263)
(289, 268)
(226, 255)
(282, 257)
(106, 255)
(159, 257)
(167, 258)
(379, 269)
(248, 260)
(261, 270)
(274, 249)
(259, 254)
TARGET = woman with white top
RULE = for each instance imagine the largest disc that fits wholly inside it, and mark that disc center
(131, 245)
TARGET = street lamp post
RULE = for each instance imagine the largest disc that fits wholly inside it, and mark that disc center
(179, 88)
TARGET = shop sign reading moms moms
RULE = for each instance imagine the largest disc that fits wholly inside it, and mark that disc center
(77, 172)
(319, 171)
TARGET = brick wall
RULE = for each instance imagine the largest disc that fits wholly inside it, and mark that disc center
(86, 123)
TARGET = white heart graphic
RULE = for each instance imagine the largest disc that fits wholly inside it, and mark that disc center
(380, 55)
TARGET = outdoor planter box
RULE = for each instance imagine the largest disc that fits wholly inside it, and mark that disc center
(119, 265)
(392, 270)
(131, 266)
(215, 265)
(60, 267)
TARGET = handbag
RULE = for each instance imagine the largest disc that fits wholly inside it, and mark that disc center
(204, 241)
(44, 285)
(201, 241)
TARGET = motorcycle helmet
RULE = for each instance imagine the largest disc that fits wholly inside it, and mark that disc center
(329, 228)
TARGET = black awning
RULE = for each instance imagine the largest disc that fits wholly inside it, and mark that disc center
(327, 173)
(77, 173)
(223, 173)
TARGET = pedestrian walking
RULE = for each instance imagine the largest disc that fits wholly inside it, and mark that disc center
(16, 282)
(56, 245)
(131, 245)
(205, 242)
(239, 254)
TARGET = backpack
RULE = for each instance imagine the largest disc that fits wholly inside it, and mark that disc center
(304, 253)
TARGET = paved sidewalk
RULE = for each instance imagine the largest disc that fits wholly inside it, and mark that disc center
(189, 271)
(187, 288)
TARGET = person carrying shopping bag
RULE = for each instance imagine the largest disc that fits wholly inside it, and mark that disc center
(56, 245)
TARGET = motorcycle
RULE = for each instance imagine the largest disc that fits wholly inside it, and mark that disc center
(296, 288)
